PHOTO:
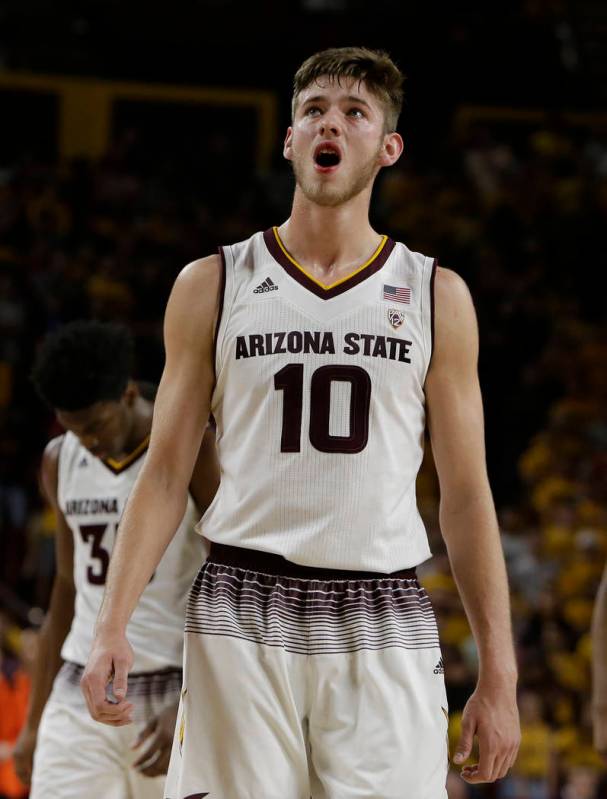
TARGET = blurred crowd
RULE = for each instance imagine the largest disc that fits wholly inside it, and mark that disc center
(519, 211)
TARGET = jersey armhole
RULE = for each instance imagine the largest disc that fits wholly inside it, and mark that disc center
(427, 309)
(64, 454)
(222, 291)
(223, 312)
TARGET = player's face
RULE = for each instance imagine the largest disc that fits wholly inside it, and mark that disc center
(103, 428)
(337, 143)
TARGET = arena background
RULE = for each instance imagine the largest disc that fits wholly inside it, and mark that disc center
(134, 138)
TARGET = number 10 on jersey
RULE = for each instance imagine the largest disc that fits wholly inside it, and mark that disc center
(290, 380)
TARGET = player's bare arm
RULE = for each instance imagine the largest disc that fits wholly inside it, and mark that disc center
(154, 741)
(469, 526)
(205, 476)
(599, 667)
(58, 618)
(158, 500)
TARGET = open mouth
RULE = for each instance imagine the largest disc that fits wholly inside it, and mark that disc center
(327, 156)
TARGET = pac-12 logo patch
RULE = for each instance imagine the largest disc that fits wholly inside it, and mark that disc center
(396, 318)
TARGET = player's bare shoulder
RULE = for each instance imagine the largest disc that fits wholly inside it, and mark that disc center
(49, 468)
(194, 303)
(453, 306)
(451, 293)
(455, 327)
(200, 281)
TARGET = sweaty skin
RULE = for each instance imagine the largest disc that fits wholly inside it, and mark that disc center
(329, 231)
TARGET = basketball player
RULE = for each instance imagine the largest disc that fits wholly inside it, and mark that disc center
(321, 347)
(83, 371)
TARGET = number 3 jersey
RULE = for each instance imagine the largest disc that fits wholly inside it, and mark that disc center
(92, 495)
(319, 405)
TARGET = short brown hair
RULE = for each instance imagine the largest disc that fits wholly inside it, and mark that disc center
(374, 67)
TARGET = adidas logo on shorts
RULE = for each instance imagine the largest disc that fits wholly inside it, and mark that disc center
(440, 667)
(267, 285)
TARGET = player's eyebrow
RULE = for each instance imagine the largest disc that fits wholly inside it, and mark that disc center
(316, 99)
(351, 98)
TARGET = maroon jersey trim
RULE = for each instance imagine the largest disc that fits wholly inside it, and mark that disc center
(297, 272)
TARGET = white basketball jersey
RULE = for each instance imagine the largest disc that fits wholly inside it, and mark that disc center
(319, 405)
(92, 495)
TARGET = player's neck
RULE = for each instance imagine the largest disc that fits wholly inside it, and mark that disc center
(330, 242)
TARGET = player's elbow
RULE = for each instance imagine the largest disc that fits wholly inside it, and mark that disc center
(163, 479)
(465, 495)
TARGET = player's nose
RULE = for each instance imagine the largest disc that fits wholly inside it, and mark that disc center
(330, 123)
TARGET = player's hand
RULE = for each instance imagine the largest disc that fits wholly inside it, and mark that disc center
(23, 753)
(491, 715)
(158, 737)
(110, 660)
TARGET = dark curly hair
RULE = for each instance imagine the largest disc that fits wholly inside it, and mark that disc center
(83, 363)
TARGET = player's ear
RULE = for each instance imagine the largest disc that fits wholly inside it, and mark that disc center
(287, 150)
(391, 149)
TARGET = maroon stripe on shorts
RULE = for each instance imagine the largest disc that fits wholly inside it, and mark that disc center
(263, 599)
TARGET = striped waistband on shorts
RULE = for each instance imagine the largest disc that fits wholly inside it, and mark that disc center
(149, 692)
(142, 683)
(270, 563)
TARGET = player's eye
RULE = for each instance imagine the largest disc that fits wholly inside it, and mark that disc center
(312, 111)
(357, 113)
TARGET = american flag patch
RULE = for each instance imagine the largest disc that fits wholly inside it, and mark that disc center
(397, 294)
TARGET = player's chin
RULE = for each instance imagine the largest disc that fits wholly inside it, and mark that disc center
(327, 195)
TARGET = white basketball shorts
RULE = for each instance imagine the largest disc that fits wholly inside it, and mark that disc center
(302, 682)
(78, 757)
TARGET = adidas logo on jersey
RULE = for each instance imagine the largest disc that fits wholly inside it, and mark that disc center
(83, 462)
(266, 286)
(440, 667)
